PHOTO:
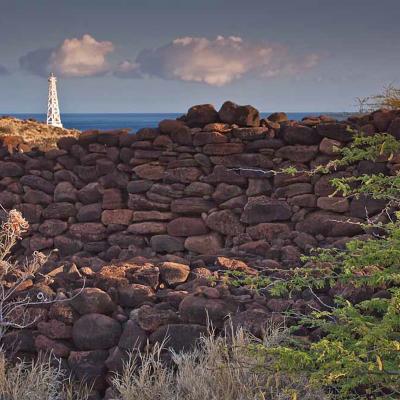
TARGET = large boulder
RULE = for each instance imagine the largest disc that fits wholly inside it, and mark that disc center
(166, 244)
(92, 300)
(225, 222)
(134, 295)
(117, 217)
(200, 115)
(65, 191)
(329, 224)
(336, 131)
(53, 227)
(210, 243)
(179, 337)
(299, 134)
(263, 209)
(298, 153)
(197, 309)
(61, 210)
(96, 332)
(89, 367)
(232, 113)
(173, 273)
(186, 226)
(133, 337)
(191, 205)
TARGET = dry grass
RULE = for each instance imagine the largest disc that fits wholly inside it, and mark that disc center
(33, 133)
(220, 368)
(42, 379)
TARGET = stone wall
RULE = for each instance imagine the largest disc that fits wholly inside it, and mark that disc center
(144, 220)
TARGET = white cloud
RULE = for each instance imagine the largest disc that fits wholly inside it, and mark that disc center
(76, 57)
(216, 62)
(81, 57)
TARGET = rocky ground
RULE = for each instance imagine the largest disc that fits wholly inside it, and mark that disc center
(19, 134)
(148, 224)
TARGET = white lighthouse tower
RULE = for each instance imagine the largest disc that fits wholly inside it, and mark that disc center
(53, 111)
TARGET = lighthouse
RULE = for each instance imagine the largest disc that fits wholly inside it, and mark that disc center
(53, 111)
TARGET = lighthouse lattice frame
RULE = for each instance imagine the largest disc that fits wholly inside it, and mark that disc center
(53, 111)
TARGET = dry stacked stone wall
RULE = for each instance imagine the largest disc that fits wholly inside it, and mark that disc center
(143, 221)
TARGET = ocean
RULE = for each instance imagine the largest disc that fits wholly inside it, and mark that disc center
(135, 121)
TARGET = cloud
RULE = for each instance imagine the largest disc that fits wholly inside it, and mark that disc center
(215, 62)
(36, 62)
(76, 57)
(128, 69)
(3, 70)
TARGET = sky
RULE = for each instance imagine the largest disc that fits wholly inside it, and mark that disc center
(166, 55)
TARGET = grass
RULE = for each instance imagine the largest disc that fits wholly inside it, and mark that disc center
(33, 133)
(219, 368)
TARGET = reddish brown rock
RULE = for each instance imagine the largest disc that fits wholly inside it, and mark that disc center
(91, 193)
(36, 182)
(278, 117)
(134, 295)
(231, 113)
(179, 337)
(263, 209)
(150, 318)
(96, 332)
(173, 273)
(232, 264)
(118, 217)
(10, 169)
(224, 192)
(335, 204)
(166, 244)
(329, 224)
(65, 191)
(133, 337)
(147, 228)
(202, 138)
(46, 345)
(59, 211)
(140, 216)
(92, 300)
(53, 227)
(88, 232)
(204, 244)
(153, 172)
(225, 222)
(89, 367)
(191, 205)
(330, 146)
(299, 134)
(222, 174)
(89, 213)
(394, 128)
(220, 149)
(268, 231)
(186, 226)
(336, 131)
(182, 175)
(298, 153)
(55, 329)
(250, 133)
(197, 309)
(201, 115)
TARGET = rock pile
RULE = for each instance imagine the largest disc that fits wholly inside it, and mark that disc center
(146, 222)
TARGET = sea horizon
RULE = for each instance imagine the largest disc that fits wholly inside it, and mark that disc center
(135, 121)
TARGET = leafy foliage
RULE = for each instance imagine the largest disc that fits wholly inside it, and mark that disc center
(357, 355)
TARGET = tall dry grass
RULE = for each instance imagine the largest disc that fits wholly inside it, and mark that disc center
(219, 368)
